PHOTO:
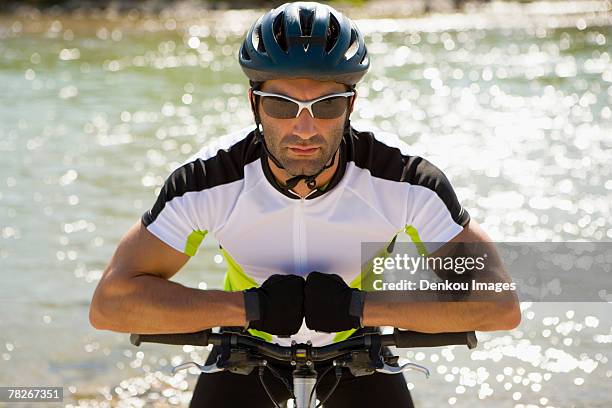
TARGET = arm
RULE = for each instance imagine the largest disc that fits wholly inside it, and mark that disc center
(435, 316)
(136, 295)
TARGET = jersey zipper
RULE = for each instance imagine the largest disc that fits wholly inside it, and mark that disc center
(299, 236)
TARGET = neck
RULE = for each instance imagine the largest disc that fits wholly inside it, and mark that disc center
(301, 188)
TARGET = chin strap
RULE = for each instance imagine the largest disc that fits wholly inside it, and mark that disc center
(311, 181)
(290, 183)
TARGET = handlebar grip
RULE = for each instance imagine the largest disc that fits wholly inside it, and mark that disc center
(195, 339)
(407, 339)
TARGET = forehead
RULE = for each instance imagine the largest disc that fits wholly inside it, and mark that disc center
(302, 88)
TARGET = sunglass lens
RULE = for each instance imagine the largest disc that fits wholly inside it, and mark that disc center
(279, 108)
(330, 108)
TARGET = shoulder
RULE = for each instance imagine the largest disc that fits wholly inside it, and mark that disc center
(219, 163)
(234, 143)
(386, 156)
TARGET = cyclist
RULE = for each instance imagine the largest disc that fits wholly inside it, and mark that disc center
(290, 200)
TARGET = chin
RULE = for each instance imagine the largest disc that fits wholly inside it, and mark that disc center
(302, 170)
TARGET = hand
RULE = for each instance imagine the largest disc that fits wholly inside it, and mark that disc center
(330, 305)
(277, 306)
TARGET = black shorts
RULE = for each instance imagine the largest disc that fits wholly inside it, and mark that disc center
(227, 389)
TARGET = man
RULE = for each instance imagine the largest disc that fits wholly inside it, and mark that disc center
(290, 203)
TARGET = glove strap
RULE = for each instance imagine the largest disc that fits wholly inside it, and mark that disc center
(251, 306)
(356, 305)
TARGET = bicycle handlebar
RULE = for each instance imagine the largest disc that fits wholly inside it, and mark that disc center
(401, 339)
(194, 339)
(361, 355)
(410, 339)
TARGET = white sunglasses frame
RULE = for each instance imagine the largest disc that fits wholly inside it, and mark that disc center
(305, 104)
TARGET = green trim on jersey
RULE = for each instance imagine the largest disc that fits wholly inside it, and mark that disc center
(343, 335)
(237, 280)
(193, 242)
(413, 233)
(262, 335)
(235, 277)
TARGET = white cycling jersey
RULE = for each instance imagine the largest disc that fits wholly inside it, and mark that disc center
(228, 190)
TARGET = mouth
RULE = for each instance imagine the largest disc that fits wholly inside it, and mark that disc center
(303, 150)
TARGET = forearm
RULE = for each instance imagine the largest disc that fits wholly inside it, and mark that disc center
(384, 309)
(435, 311)
(150, 304)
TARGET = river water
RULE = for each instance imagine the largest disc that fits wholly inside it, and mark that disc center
(513, 103)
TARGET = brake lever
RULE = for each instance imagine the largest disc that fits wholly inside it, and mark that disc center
(387, 369)
(207, 369)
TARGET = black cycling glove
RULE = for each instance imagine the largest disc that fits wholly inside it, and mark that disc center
(277, 306)
(330, 305)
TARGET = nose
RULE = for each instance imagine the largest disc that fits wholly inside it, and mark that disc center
(304, 125)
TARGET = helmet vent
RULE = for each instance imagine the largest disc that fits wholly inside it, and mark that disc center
(258, 44)
(332, 33)
(306, 17)
(352, 49)
(244, 53)
(279, 31)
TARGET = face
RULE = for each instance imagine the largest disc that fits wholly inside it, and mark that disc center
(303, 145)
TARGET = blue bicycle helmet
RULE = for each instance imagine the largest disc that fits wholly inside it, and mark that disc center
(304, 40)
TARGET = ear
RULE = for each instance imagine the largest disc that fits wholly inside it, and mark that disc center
(352, 103)
(251, 99)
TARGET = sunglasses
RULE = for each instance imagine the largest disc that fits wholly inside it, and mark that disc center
(330, 106)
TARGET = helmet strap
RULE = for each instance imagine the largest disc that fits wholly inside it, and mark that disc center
(259, 134)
